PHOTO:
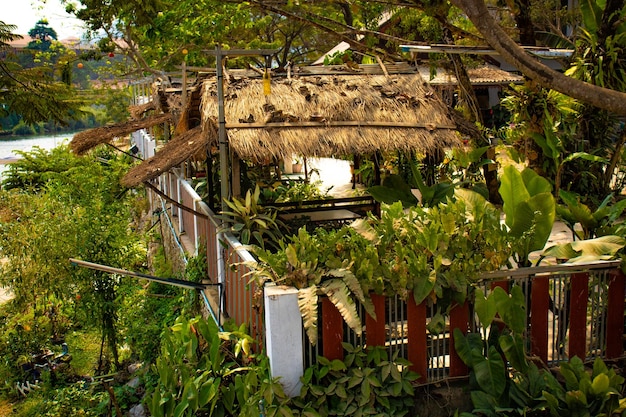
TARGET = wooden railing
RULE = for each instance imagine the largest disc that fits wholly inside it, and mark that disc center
(574, 310)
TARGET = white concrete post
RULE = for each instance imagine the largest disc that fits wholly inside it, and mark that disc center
(284, 337)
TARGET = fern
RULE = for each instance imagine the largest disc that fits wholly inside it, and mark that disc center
(354, 286)
(338, 293)
(307, 303)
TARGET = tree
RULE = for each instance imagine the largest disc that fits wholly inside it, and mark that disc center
(61, 206)
(42, 35)
(33, 93)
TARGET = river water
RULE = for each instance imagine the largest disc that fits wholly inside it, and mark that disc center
(9, 145)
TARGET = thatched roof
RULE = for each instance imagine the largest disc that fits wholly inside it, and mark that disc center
(172, 154)
(137, 111)
(332, 113)
(88, 139)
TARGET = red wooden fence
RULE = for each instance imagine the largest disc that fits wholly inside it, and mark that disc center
(541, 317)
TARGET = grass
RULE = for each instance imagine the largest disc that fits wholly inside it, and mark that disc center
(84, 347)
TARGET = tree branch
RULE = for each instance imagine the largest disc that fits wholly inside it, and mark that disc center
(602, 98)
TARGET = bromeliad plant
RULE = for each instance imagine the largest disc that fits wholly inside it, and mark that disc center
(251, 222)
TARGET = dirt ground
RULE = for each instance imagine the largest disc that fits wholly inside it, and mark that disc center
(6, 408)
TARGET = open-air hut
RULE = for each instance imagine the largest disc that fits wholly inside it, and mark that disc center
(313, 112)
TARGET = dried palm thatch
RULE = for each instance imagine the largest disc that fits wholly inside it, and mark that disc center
(326, 115)
(137, 112)
(173, 153)
(88, 139)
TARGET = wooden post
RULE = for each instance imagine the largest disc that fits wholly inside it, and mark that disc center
(332, 330)
(375, 333)
(459, 319)
(539, 318)
(416, 318)
(578, 315)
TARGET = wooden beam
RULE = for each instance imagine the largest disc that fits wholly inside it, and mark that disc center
(346, 123)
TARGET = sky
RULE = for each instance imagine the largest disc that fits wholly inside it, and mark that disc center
(25, 13)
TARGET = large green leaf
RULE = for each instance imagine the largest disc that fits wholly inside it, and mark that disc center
(513, 192)
(393, 189)
(604, 245)
(535, 183)
(544, 213)
(590, 249)
(469, 347)
(484, 404)
(474, 200)
(423, 286)
(592, 15)
(485, 308)
(511, 308)
(561, 251)
(537, 214)
(490, 373)
(513, 348)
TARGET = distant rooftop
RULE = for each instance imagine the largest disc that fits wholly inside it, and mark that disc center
(71, 43)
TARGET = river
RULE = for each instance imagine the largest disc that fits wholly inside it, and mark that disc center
(9, 145)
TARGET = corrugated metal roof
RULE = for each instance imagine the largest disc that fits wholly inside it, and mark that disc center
(483, 75)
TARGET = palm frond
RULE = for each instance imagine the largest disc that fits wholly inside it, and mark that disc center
(338, 293)
(307, 303)
(354, 286)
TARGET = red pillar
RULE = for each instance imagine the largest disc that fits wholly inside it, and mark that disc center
(578, 315)
(539, 318)
(375, 333)
(416, 321)
(459, 319)
(332, 330)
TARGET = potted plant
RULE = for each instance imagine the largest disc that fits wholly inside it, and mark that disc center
(296, 166)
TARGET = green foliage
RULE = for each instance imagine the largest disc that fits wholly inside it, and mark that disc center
(202, 370)
(601, 221)
(69, 207)
(588, 250)
(524, 389)
(530, 210)
(431, 253)
(458, 170)
(366, 382)
(297, 191)
(33, 93)
(42, 35)
(251, 222)
(309, 264)
(38, 166)
(74, 400)
(393, 189)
